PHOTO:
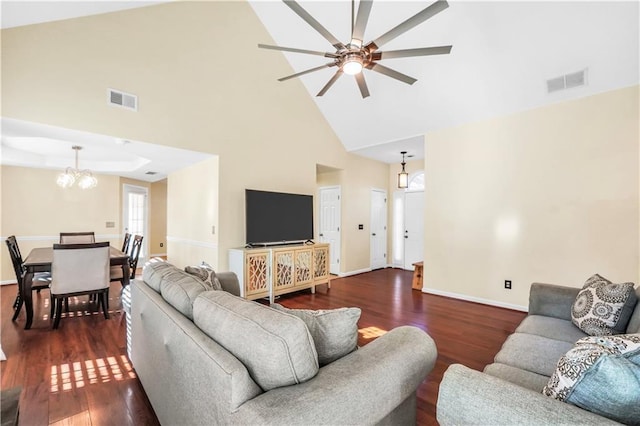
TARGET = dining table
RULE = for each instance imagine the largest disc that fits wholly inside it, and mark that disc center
(40, 259)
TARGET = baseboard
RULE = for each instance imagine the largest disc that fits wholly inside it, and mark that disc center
(7, 282)
(475, 299)
(356, 272)
(158, 255)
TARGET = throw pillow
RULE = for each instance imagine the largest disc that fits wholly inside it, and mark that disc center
(602, 307)
(602, 375)
(205, 273)
(334, 332)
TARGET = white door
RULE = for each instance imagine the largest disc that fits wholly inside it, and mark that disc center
(413, 228)
(135, 215)
(329, 231)
(378, 229)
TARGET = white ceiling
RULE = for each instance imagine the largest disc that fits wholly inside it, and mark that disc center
(503, 53)
(29, 144)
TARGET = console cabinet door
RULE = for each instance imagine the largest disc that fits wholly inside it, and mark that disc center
(321, 263)
(304, 266)
(256, 273)
(283, 267)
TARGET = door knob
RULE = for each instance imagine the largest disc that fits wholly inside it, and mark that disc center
(322, 235)
(373, 235)
(406, 237)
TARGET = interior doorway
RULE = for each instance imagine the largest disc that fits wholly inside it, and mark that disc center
(135, 215)
(408, 223)
(378, 238)
(329, 230)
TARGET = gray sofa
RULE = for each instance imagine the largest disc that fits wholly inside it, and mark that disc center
(191, 379)
(509, 391)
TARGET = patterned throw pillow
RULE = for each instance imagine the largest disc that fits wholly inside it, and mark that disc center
(206, 274)
(603, 308)
(334, 331)
(602, 375)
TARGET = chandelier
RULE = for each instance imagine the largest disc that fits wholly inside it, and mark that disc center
(84, 178)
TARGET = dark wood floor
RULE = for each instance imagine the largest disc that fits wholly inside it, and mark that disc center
(80, 375)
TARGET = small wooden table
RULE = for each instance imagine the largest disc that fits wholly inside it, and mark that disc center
(40, 259)
(417, 276)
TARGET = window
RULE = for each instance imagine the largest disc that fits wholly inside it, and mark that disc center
(416, 181)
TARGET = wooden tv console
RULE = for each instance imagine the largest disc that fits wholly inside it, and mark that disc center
(271, 271)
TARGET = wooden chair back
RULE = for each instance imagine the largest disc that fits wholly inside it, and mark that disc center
(16, 257)
(125, 242)
(135, 254)
(77, 237)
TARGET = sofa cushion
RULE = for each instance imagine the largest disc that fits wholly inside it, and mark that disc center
(602, 307)
(180, 290)
(153, 272)
(532, 353)
(602, 375)
(206, 274)
(526, 379)
(334, 331)
(276, 347)
(553, 328)
(634, 321)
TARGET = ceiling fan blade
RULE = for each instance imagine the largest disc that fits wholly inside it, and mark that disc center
(326, 87)
(294, 50)
(298, 74)
(405, 26)
(315, 24)
(391, 73)
(364, 8)
(362, 84)
(424, 51)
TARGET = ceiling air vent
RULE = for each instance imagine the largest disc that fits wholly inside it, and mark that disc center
(151, 173)
(568, 81)
(122, 99)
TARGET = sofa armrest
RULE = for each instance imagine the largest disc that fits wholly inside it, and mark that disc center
(552, 300)
(229, 282)
(470, 397)
(360, 388)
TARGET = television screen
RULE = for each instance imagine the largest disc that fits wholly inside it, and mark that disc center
(273, 217)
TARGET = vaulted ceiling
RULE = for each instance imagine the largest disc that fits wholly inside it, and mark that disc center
(503, 54)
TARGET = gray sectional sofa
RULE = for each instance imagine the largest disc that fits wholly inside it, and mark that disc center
(509, 391)
(192, 379)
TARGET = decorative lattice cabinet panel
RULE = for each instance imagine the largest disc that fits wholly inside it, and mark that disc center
(283, 266)
(268, 272)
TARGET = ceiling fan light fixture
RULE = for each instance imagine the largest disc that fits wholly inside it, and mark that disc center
(352, 65)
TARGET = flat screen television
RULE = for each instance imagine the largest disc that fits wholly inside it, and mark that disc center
(278, 217)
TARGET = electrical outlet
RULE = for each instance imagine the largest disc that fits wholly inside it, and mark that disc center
(507, 284)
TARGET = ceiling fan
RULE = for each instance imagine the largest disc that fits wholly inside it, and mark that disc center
(353, 57)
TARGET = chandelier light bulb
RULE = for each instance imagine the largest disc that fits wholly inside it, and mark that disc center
(65, 180)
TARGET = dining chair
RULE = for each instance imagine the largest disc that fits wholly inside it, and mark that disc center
(116, 271)
(125, 242)
(79, 269)
(40, 280)
(77, 237)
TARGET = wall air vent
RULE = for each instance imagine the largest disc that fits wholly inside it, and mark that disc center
(568, 81)
(122, 99)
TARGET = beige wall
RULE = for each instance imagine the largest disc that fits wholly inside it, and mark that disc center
(36, 210)
(158, 218)
(267, 134)
(547, 195)
(192, 212)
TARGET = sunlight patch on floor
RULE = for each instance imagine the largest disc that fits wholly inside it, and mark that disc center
(371, 332)
(78, 374)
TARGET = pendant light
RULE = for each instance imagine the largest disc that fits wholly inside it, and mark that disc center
(83, 178)
(403, 176)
